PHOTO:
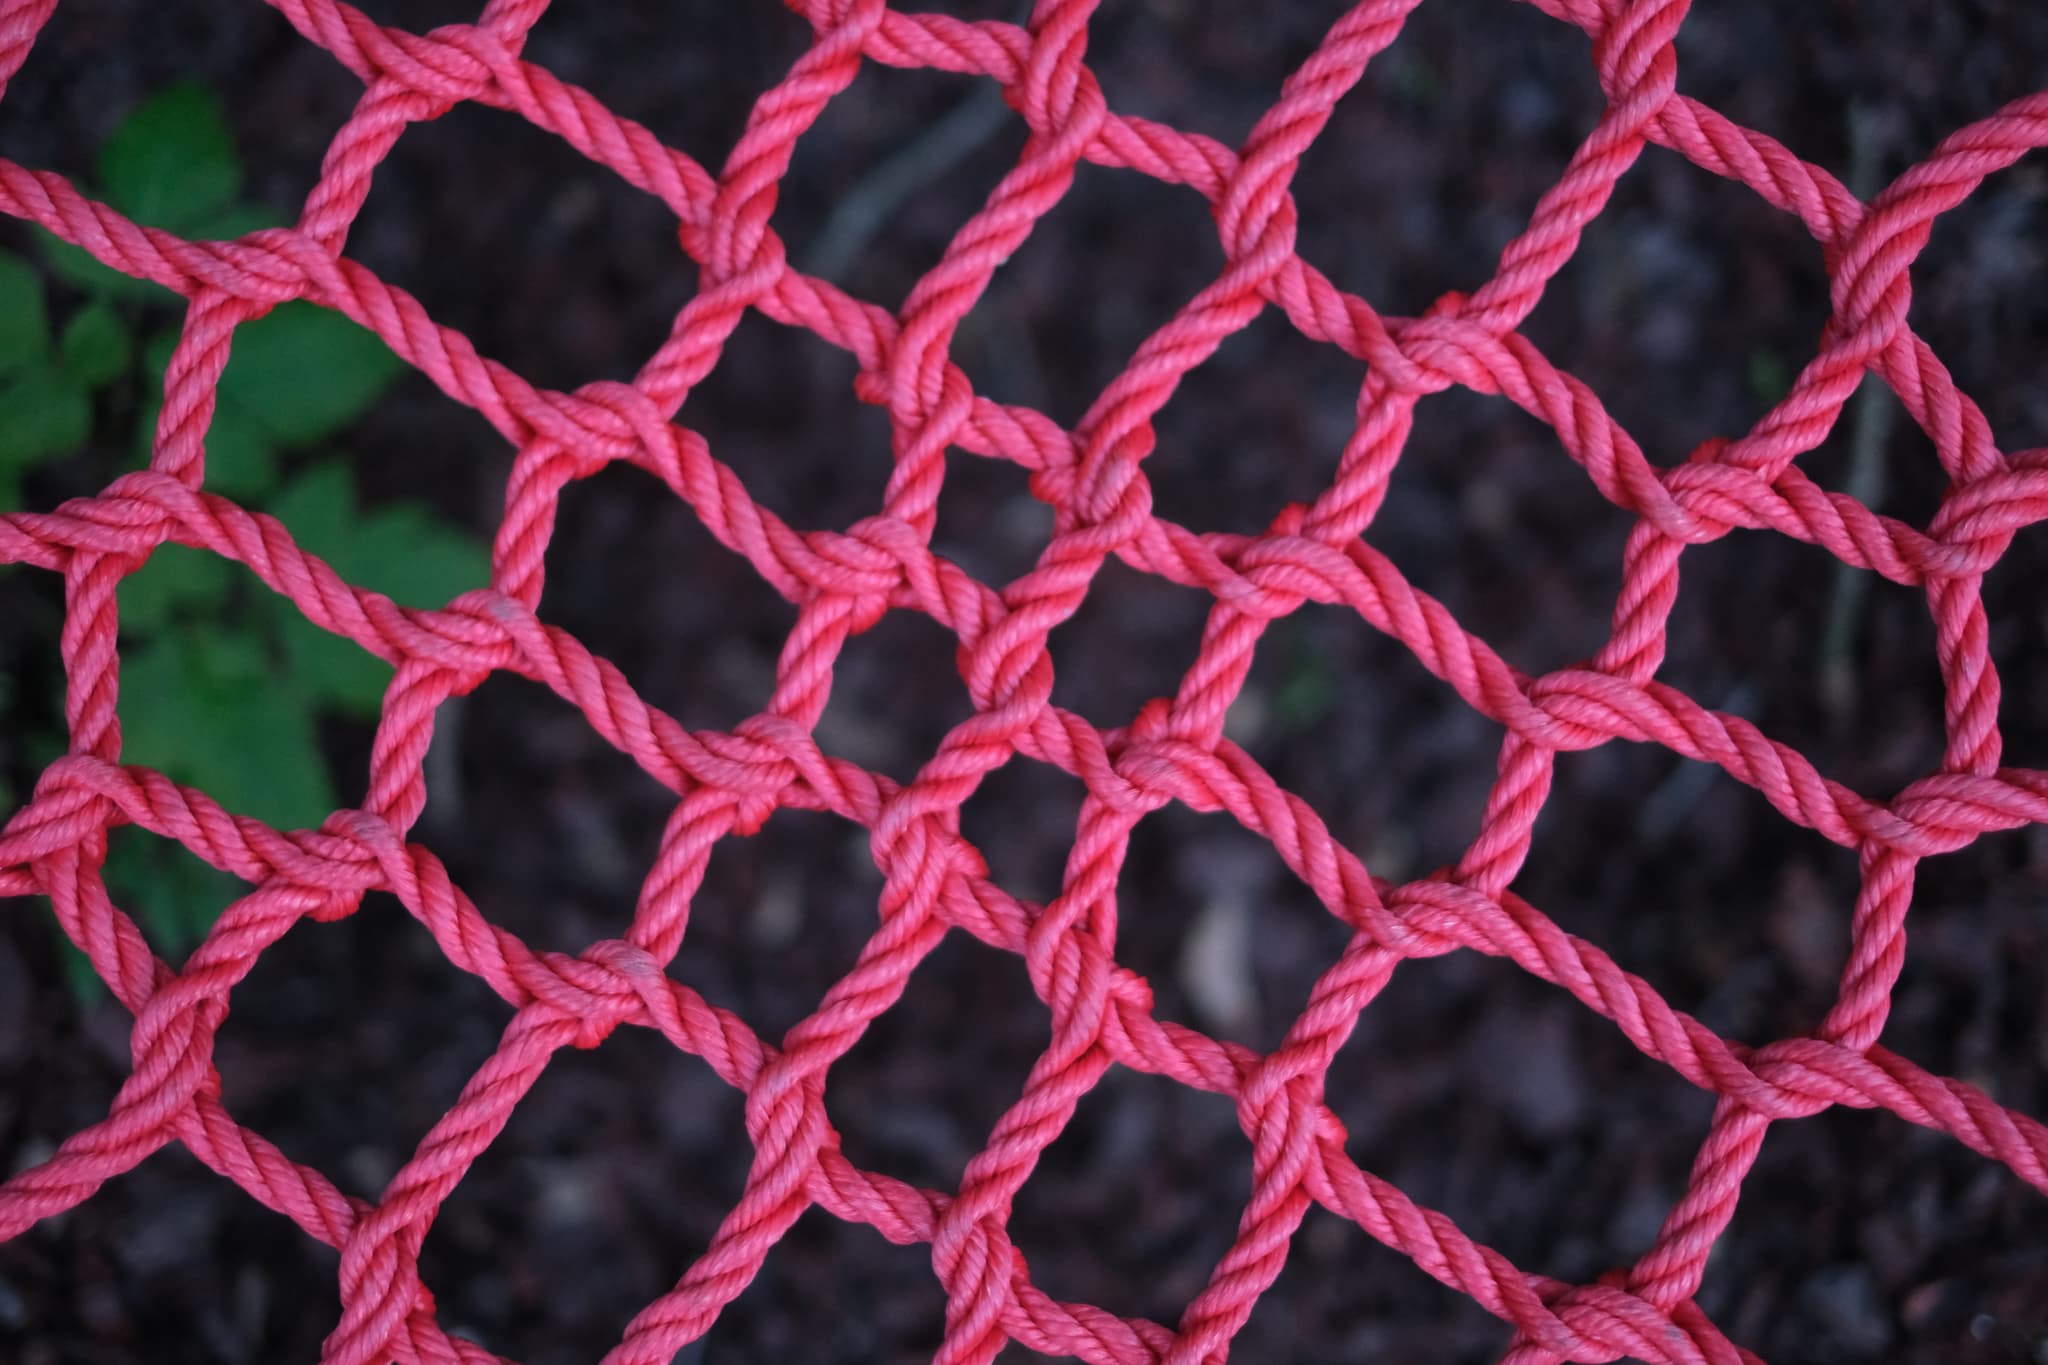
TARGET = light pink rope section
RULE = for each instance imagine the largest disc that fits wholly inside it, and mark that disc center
(844, 581)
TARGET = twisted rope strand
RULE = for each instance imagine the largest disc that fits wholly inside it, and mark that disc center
(843, 582)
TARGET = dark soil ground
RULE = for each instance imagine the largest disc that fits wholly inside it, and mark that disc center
(1478, 1090)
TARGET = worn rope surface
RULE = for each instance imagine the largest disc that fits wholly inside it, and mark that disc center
(1174, 749)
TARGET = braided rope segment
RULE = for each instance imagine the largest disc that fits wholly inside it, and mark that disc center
(843, 582)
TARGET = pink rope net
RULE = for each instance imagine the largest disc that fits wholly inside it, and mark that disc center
(1174, 750)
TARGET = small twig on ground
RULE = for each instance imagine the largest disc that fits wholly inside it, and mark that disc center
(443, 768)
(1674, 798)
(1870, 431)
(867, 207)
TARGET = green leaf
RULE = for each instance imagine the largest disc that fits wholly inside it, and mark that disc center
(145, 430)
(1768, 381)
(415, 559)
(205, 708)
(1306, 696)
(236, 220)
(43, 747)
(318, 507)
(240, 462)
(175, 577)
(265, 758)
(172, 161)
(79, 974)
(24, 326)
(334, 671)
(83, 271)
(174, 895)
(403, 552)
(95, 348)
(302, 373)
(156, 356)
(43, 412)
(229, 660)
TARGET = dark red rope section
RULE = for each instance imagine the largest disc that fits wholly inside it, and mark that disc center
(843, 581)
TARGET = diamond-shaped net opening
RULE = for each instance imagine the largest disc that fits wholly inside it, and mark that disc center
(841, 581)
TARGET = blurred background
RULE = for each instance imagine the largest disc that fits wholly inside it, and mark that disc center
(1477, 1089)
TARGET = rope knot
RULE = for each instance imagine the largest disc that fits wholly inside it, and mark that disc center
(1637, 54)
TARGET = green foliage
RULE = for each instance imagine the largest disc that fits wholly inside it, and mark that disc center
(48, 413)
(303, 373)
(48, 409)
(172, 165)
(24, 325)
(401, 551)
(1307, 695)
(176, 895)
(172, 161)
(1308, 688)
(224, 684)
(95, 349)
(1768, 380)
(175, 578)
(296, 377)
(206, 705)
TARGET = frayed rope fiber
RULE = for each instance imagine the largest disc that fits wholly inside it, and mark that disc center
(842, 582)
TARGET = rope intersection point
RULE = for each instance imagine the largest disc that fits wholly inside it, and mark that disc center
(844, 581)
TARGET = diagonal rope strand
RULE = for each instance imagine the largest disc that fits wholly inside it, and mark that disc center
(844, 581)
